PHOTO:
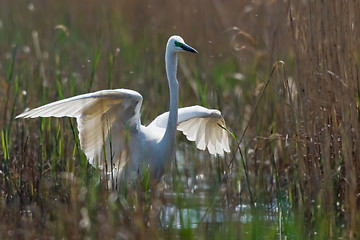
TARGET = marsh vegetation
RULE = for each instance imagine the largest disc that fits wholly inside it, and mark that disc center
(285, 75)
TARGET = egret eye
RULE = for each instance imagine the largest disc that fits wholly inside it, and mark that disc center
(178, 44)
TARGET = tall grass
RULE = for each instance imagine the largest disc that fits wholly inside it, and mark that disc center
(329, 111)
(284, 74)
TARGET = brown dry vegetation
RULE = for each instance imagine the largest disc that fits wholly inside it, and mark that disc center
(295, 108)
(326, 113)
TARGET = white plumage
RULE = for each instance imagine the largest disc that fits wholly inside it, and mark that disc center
(110, 120)
(201, 125)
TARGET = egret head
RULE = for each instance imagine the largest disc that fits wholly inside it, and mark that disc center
(177, 44)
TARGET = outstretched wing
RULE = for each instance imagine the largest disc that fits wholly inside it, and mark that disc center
(201, 125)
(115, 111)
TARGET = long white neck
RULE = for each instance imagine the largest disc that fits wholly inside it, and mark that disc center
(168, 140)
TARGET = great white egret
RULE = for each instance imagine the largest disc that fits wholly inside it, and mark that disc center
(111, 134)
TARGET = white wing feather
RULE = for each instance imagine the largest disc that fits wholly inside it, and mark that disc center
(97, 114)
(201, 125)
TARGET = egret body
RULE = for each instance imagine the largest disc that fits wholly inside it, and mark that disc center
(109, 120)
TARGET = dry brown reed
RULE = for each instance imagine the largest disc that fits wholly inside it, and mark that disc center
(313, 137)
(326, 110)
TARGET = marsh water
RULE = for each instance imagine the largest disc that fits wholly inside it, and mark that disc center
(203, 199)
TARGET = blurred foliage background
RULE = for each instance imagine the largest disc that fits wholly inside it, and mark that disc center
(285, 75)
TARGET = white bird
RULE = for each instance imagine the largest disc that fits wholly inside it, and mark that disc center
(109, 120)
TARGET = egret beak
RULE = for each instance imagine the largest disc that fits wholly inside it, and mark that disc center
(188, 48)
